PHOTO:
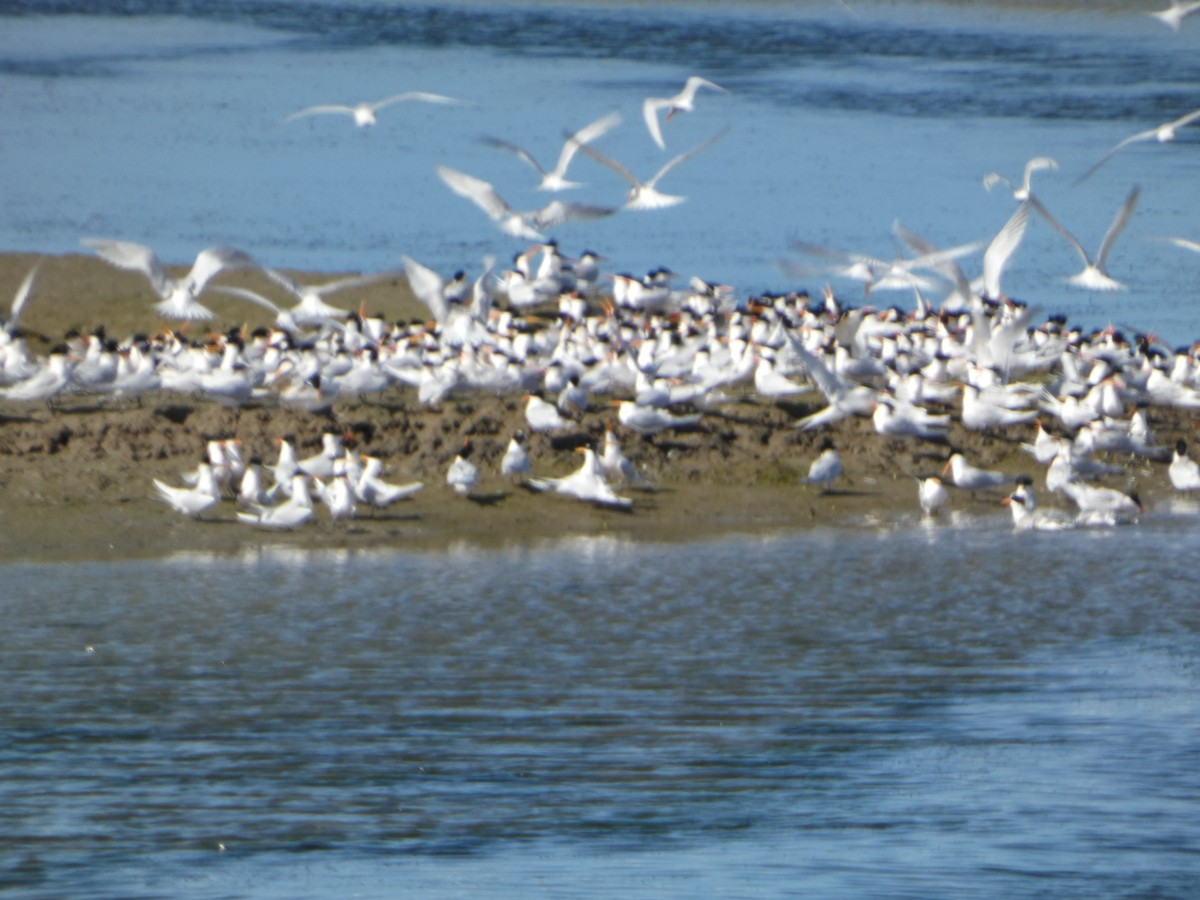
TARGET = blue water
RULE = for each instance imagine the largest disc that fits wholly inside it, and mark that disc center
(1017, 715)
(161, 122)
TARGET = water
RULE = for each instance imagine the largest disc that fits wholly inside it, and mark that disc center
(161, 122)
(1017, 716)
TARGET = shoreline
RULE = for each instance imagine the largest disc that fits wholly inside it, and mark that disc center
(76, 484)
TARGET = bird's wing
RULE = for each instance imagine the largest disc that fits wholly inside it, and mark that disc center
(321, 109)
(211, 261)
(991, 179)
(1118, 225)
(584, 135)
(608, 161)
(693, 84)
(427, 286)
(478, 191)
(686, 155)
(22, 297)
(413, 95)
(518, 152)
(481, 295)
(352, 281)
(650, 108)
(559, 211)
(1140, 136)
(1187, 119)
(1058, 226)
(130, 256)
(1002, 247)
(1186, 244)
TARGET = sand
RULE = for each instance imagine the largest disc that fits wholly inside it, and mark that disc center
(75, 483)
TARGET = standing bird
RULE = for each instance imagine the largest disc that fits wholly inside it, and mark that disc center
(684, 101)
(556, 180)
(463, 473)
(586, 483)
(1164, 134)
(515, 463)
(541, 415)
(178, 296)
(374, 491)
(932, 495)
(338, 496)
(1183, 471)
(1094, 277)
(363, 114)
(972, 478)
(647, 420)
(826, 468)
(290, 514)
(1026, 513)
(616, 464)
(195, 500)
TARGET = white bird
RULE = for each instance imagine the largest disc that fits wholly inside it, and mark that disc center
(980, 414)
(826, 468)
(191, 501)
(932, 495)
(516, 224)
(616, 464)
(898, 419)
(364, 114)
(771, 384)
(515, 463)
(178, 296)
(1174, 14)
(844, 397)
(1183, 471)
(250, 489)
(1094, 277)
(541, 415)
(556, 179)
(1101, 505)
(684, 101)
(645, 195)
(321, 465)
(649, 420)
(374, 491)
(311, 308)
(24, 291)
(972, 478)
(338, 496)
(586, 483)
(1022, 191)
(463, 473)
(1164, 134)
(1027, 515)
(47, 382)
(285, 466)
(290, 514)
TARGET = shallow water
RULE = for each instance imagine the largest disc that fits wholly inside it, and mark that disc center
(931, 711)
(161, 122)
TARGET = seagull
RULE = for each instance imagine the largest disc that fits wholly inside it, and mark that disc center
(178, 297)
(374, 491)
(556, 179)
(1164, 134)
(586, 483)
(463, 473)
(195, 500)
(1174, 14)
(932, 495)
(826, 468)
(684, 101)
(516, 224)
(1094, 277)
(1022, 191)
(364, 113)
(1183, 471)
(644, 195)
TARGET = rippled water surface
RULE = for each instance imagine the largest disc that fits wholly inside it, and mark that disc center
(927, 712)
(160, 122)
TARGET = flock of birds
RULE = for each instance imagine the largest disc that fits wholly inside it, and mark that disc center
(573, 338)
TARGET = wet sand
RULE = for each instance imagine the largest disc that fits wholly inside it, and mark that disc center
(76, 483)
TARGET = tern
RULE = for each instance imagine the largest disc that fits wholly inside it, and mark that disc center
(1094, 277)
(586, 483)
(517, 224)
(194, 500)
(363, 114)
(287, 516)
(1183, 471)
(1174, 14)
(1026, 513)
(826, 468)
(24, 291)
(374, 491)
(556, 179)
(178, 296)
(972, 478)
(932, 495)
(463, 473)
(684, 101)
(1164, 134)
(515, 463)
(1022, 191)
(645, 194)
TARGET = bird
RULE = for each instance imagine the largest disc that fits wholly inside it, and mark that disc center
(1174, 14)
(826, 468)
(645, 194)
(364, 114)
(972, 478)
(1094, 277)
(24, 291)
(586, 483)
(191, 501)
(1164, 134)
(517, 224)
(178, 297)
(286, 516)
(338, 496)
(542, 415)
(47, 382)
(647, 420)
(463, 473)
(311, 308)
(1102, 505)
(1021, 191)
(932, 495)
(616, 464)
(372, 490)
(321, 464)
(250, 488)
(684, 101)
(556, 179)
(515, 463)
(1026, 513)
(1183, 471)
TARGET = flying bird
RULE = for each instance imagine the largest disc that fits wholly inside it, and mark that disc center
(1094, 277)
(1164, 134)
(1020, 191)
(364, 113)
(644, 194)
(684, 101)
(1174, 14)
(556, 178)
